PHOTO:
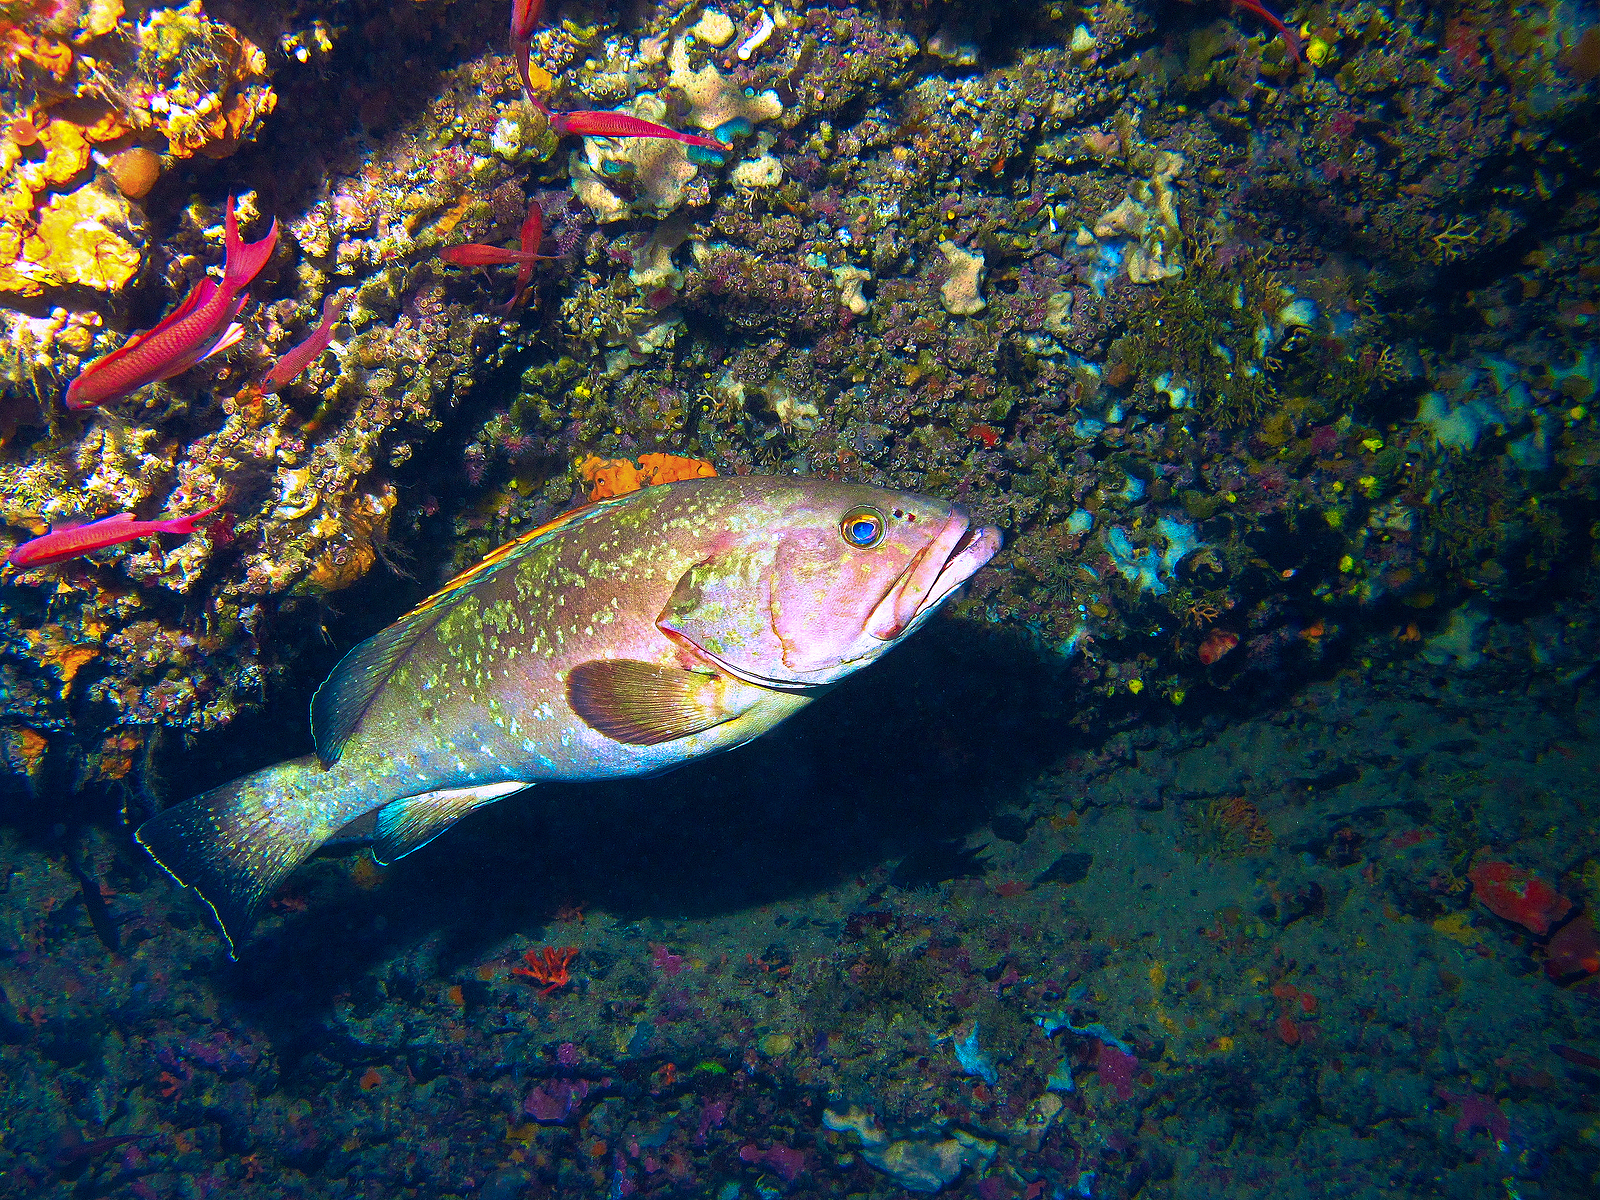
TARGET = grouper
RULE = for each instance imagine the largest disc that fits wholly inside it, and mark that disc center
(622, 639)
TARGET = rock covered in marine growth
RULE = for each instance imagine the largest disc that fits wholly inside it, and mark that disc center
(917, 1166)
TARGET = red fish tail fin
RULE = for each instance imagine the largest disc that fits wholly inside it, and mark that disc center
(244, 260)
(523, 49)
(187, 524)
(1291, 39)
(226, 340)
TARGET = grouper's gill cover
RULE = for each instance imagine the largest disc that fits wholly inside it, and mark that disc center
(621, 640)
(800, 606)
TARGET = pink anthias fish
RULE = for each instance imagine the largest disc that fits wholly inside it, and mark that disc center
(598, 123)
(74, 541)
(198, 328)
(524, 20)
(531, 234)
(476, 254)
(302, 356)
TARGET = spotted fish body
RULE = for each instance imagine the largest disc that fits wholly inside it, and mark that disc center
(624, 639)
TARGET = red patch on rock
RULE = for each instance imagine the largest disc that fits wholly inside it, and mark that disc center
(1217, 643)
(1518, 895)
(1477, 1112)
(1575, 949)
(1116, 1070)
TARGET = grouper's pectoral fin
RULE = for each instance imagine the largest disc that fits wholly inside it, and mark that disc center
(643, 704)
(409, 824)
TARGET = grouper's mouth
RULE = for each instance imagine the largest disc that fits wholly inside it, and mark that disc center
(943, 565)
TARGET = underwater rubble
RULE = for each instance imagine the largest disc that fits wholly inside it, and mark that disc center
(1362, 955)
(1273, 356)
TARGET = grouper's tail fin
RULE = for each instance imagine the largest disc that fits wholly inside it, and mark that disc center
(233, 846)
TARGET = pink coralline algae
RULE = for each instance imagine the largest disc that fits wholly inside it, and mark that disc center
(665, 961)
(712, 1116)
(1323, 439)
(785, 1160)
(552, 1103)
(1116, 1070)
(1477, 1112)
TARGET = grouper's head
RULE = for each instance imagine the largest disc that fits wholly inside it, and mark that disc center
(815, 579)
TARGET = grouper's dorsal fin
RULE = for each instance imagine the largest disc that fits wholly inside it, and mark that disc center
(409, 824)
(345, 696)
(338, 705)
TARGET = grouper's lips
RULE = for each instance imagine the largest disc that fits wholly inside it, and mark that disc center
(943, 565)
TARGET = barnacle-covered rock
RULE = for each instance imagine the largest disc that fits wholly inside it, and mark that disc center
(185, 83)
(961, 292)
(200, 82)
(716, 103)
(851, 280)
(85, 222)
(1142, 229)
(352, 541)
(763, 171)
(714, 28)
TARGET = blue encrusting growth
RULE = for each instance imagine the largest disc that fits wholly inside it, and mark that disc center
(1149, 568)
(972, 1059)
(1494, 396)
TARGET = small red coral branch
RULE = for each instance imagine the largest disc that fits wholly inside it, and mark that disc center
(548, 966)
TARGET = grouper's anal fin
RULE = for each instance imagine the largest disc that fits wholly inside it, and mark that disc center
(233, 846)
(410, 824)
(345, 696)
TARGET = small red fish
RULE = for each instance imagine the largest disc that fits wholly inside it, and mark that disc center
(198, 328)
(1576, 1057)
(614, 124)
(76, 1152)
(531, 235)
(73, 541)
(302, 356)
(475, 254)
(524, 20)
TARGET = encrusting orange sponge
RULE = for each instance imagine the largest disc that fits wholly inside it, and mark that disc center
(619, 476)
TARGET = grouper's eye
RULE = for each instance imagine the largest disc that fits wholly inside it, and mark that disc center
(862, 527)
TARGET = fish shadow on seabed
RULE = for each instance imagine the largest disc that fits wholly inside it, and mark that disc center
(920, 748)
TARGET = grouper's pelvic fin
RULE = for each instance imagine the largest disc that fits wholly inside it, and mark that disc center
(410, 824)
(233, 846)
